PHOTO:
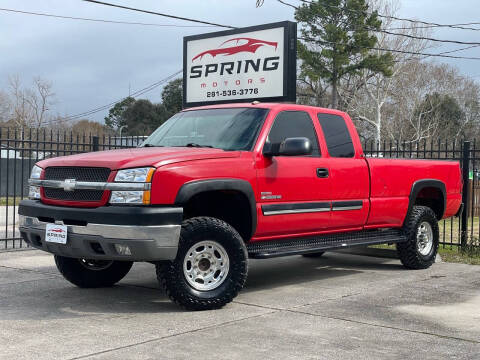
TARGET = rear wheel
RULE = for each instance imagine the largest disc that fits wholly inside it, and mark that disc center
(421, 229)
(87, 273)
(210, 268)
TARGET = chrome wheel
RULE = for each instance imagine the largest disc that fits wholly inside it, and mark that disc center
(206, 265)
(95, 265)
(424, 238)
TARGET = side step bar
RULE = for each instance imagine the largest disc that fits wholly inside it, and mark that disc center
(298, 246)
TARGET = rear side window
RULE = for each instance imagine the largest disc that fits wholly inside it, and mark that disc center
(289, 124)
(338, 138)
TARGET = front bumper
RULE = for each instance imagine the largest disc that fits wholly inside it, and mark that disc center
(151, 233)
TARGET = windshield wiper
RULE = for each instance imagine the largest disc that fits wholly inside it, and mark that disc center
(151, 145)
(198, 145)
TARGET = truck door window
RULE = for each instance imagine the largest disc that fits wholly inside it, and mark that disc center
(290, 124)
(339, 142)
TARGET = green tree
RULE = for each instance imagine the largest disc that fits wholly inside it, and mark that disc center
(172, 96)
(337, 39)
(115, 115)
(442, 114)
(142, 117)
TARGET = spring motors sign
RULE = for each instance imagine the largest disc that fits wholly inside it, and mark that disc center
(254, 63)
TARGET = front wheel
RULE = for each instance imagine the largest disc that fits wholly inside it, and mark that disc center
(421, 229)
(87, 273)
(210, 268)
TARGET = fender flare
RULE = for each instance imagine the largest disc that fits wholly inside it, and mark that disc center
(419, 185)
(190, 189)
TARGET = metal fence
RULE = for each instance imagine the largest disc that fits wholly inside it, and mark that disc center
(21, 149)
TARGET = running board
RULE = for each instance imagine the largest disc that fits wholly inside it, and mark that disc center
(298, 246)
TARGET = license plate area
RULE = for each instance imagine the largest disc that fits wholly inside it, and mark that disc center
(56, 234)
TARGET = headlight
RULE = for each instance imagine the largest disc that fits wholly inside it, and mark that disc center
(140, 175)
(36, 172)
(135, 175)
(34, 191)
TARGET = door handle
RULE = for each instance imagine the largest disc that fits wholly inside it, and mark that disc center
(322, 173)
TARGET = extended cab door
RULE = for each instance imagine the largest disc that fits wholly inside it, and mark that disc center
(349, 172)
(294, 191)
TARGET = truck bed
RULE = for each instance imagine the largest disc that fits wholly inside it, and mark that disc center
(391, 181)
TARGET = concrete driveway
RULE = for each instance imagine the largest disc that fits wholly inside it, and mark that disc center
(337, 307)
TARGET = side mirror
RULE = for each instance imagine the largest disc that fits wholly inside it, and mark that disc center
(289, 147)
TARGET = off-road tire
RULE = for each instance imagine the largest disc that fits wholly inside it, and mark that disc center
(314, 255)
(407, 251)
(171, 276)
(81, 276)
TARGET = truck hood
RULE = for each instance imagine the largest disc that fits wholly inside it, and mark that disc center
(138, 157)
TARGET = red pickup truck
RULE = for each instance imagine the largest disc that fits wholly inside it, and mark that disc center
(216, 185)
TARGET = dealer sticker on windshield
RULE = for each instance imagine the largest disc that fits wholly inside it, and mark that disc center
(56, 233)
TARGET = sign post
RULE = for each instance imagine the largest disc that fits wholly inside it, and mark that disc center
(241, 65)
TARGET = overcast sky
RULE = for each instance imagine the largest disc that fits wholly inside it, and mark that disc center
(92, 64)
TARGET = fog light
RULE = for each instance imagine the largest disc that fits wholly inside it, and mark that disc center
(122, 249)
(27, 221)
(34, 192)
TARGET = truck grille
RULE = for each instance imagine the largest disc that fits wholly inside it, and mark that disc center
(76, 195)
(77, 173)
(80, 174)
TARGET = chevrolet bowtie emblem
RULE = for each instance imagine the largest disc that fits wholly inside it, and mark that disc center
(69, 184)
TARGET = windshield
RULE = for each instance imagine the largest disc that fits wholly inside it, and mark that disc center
(227, 129)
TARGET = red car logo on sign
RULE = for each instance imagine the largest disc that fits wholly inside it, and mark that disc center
(250, 46)
(58, 230)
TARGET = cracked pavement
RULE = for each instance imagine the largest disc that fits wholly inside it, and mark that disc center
(340, 306)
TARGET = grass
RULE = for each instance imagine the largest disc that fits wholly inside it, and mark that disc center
(452, 254)
(469, 255)
(10, 201)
